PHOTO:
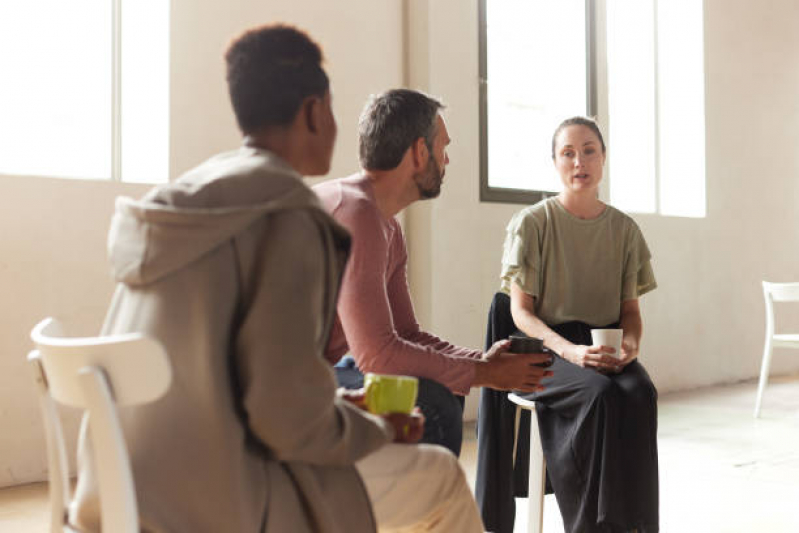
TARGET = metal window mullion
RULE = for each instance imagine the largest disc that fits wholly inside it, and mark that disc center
(116, 90)
(487, 192)
(482, 97)
(656, 97)
(590, 55)
(406, 46)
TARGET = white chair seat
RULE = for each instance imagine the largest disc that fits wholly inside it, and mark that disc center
(775, 292)
(537, 476)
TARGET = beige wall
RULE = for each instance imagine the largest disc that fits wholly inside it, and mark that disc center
(703, 325)
(52, 260)
(52, 264)
(705, 322)
(711, 269)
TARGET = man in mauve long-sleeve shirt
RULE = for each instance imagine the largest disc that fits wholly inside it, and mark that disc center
(402, 144)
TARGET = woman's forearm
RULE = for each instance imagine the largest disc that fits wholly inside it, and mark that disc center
(632, 325)
(522, 309)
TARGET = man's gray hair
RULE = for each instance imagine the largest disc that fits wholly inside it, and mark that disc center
(391, 122)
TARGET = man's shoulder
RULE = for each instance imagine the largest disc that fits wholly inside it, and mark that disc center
(244, 162)
(240, 178)
(349, 201)
(347, 189)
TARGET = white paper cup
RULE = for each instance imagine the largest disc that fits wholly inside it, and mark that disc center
(608, 337)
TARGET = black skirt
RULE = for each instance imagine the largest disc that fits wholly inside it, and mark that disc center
(598, 433)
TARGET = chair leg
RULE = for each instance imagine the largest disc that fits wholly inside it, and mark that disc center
(764, 370)
(57, 463)
(536, 480)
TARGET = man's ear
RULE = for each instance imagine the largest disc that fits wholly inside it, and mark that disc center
(311, 110)
(420, 153)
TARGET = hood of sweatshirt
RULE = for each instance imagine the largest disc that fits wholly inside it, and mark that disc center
(177, 223)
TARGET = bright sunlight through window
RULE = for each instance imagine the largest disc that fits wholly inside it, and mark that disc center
(631, 92)
(536, 78)
(645, 82)
(681, 114)
(57, 96)
(656, 161)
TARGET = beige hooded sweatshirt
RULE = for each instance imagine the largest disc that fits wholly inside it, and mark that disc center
(235, 269)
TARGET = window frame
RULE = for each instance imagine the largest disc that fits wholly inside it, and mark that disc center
(116, 91)
(525, 196)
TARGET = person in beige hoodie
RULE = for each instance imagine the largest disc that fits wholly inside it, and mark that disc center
(235, 268)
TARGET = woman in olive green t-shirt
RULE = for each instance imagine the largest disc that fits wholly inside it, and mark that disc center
(572, 263)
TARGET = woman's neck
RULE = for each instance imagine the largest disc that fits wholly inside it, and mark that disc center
(585, 206)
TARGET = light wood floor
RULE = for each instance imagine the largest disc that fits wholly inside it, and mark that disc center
(720, 469)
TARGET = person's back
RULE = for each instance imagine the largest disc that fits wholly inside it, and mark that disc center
(234, 268)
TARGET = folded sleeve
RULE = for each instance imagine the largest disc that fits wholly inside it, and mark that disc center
(521, 255)
(638, 276)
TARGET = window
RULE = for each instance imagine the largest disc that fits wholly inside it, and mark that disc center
(656, 111)
(649, 99)
(85, 90)
(531, 79)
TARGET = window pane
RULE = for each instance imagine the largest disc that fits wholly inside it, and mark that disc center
(536, 78)
(682, 108)
(55, 95)
(145, 91)
(631, 105)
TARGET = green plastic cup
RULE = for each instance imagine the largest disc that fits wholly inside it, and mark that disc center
(390, 394)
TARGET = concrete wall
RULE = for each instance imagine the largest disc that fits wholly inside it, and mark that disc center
(705, 323)
(52, 254)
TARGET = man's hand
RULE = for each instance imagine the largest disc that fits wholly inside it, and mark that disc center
(408, 429)
(496, 349)
(354, 396)
(502, 370)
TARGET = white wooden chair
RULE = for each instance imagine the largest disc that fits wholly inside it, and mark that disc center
(95, 374)
(775, 292)
(537, 476)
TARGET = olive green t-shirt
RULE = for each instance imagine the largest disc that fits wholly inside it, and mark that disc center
(576, 269)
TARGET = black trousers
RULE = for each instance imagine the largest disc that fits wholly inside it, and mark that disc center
(599, 436)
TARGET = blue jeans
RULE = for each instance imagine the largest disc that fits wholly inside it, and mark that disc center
(442, 410)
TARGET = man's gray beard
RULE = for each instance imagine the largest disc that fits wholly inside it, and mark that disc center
(429, 182)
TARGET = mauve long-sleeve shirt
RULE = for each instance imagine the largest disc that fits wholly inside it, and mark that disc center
(375, 322)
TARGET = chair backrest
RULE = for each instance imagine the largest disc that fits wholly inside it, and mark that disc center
(777, 292)
(96, 373)
(781, 292)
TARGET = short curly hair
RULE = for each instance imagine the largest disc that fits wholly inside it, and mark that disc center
(270, 71)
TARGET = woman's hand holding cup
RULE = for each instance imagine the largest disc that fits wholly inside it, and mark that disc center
(597, 357)
(609, 342)
(629, 352)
